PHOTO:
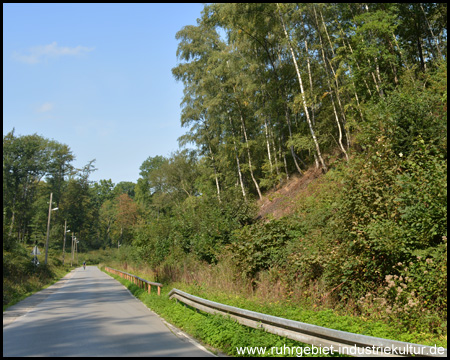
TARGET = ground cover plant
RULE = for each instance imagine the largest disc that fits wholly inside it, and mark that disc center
(21, 278)
(226, 335)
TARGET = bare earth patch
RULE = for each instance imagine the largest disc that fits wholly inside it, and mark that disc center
(281, 202)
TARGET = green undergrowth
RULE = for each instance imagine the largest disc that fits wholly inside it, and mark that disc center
(326, 318)
(225, 334)
(22, 279)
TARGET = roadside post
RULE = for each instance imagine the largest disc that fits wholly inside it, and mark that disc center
(35, 252)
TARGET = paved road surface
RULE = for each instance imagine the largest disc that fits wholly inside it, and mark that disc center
(91, 314)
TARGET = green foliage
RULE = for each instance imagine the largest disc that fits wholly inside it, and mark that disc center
(376, 70)
(391, 209)
(26, 161)
(261, 246)
(423, 197)
(200, 225)
(152, 241)
(21, 277)
(414, 293)
(392, 213)
(414, 111)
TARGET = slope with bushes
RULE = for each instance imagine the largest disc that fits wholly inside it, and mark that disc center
(319, 171)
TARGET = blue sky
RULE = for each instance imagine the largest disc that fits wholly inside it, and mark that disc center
(96, 77)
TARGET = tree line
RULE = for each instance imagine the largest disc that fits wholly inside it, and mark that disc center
(270, 90)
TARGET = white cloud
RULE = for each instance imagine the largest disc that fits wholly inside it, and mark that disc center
(45, 107)
(41, 52)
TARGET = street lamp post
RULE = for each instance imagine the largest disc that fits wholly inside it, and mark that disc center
(64, 244)
(76, 249)
(48, 226)
(72, 250)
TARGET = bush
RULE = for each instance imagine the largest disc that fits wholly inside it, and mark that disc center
(417, 297)
(394, 199)
(263, 245)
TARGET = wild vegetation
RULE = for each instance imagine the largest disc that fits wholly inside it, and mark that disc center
(227, 336)
(21, 278)
(271, 93)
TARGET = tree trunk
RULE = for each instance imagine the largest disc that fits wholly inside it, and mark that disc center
(284, 157)
(431, 32)
(316, 143)
(237, 162)
(274, 149)
(268, 146)
(215, 172)
(213, 160)
(248, 154)
(329, 85)
(288, 120)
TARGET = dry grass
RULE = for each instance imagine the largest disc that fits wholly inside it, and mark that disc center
(280, 202)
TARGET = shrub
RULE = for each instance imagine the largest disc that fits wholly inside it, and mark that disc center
(262, 246)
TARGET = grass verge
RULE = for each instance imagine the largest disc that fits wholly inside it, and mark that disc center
(218, 332)
(22, 279)
(227, 335)
(326, 318)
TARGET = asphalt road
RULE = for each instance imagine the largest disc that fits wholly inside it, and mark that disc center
(91, 314)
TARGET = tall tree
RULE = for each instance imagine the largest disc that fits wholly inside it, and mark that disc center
(27, 160)
(302, 92)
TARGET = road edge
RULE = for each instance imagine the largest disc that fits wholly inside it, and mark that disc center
(23, 307)
(176, 331)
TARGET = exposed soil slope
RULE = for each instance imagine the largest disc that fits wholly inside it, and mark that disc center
(280, 202)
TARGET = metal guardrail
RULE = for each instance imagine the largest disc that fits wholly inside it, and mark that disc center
(135, 279)
(334, 340)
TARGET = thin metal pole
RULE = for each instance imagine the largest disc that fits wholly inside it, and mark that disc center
(64, 244)
(71, 253)
(48, 226)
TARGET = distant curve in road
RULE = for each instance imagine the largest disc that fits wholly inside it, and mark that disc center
(92, 314)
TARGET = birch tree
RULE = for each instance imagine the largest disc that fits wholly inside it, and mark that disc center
(316, 143)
